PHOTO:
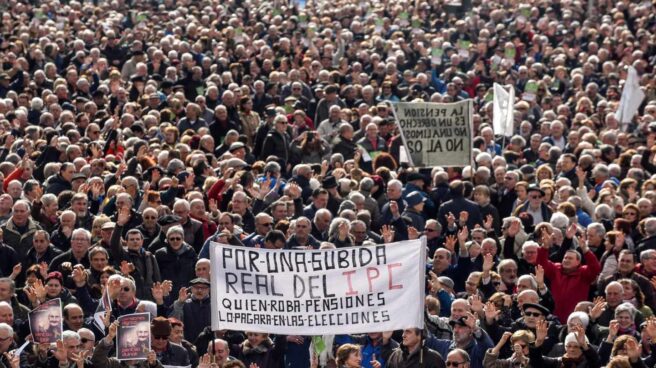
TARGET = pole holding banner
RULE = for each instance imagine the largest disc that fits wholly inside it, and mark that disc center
(318, 292)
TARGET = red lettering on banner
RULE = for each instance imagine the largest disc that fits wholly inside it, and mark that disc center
(389, 275)
(350, 283)
(372, 274)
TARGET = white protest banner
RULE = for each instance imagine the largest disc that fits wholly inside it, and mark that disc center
(318, 292)
(436, 134)
(503, 109)
(632, 97)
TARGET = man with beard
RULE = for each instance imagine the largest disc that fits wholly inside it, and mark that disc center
(79, 205)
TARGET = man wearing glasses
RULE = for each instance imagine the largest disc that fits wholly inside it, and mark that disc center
(263, 224)
(457, 358)
(177, 260)
(538, 210)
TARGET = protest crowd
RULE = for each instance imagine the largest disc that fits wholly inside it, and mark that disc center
(135, 133)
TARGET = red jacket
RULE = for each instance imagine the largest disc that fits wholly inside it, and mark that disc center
(568, 289)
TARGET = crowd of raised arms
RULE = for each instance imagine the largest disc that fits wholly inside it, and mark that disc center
(133, 133)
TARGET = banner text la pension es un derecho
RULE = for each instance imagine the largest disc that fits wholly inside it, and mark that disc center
(316, 292)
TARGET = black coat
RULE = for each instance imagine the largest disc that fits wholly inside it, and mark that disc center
(57, 184)
(504, 202)
(346, 147)
(275, 144)
(177, 267)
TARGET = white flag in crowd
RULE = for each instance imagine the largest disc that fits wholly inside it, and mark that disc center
(632, 97)
(503, 106)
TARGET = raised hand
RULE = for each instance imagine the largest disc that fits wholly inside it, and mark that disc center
(79, 276)
(632, 349)
(470, 320)
(613, 329)
(79, 358)
(491, 313)
(476, 303)
(158, 293)
(43, 269)
(463, 235)
(113, 288)
(113, 328)
(488, 262)
(599, 305)
(123, 216)
(487, 224)
(546, 239)
(394, 209)
(413, 233)
(387, 233)
(651, 328)
(294, 190)
(541, 330)
(61, 353)
(539, 276)
(204, 362)
(182, 294)
(40, 290)
(127, 267)
(571, 231)
(213, 205)
(16, 270)
(450, 243)
(167, 286)
(579, 331)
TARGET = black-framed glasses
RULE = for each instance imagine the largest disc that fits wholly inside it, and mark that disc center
(533, 314)
(160, 337)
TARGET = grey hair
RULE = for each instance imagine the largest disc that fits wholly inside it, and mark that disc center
(650, 226)
(82, 231)
(598, 228)
(626, 307)
(5, 327)
(335, 224)
(175, 230)
(67, 335)
(531, 279)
